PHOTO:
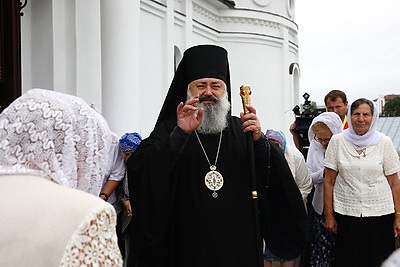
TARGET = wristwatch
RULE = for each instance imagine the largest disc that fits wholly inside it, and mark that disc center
(105, 195)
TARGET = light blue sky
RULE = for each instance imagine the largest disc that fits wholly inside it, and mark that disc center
(351, 45)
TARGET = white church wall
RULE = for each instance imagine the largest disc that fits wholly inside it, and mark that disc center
(260, 76)
(282, 7)
(180, 6)
(120, 54)
(26, 52)
(206, 13)
(64, 40)
(179, 39)
(41, 46)
(120, 64)
(88, 50)
(202, 35)
(153, 65)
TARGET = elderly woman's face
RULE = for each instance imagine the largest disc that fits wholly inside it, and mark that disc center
(323, 137)
(361, 119)
(322, 133)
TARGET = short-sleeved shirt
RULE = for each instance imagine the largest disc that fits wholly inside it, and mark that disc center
(115, 171)
(299, 171)
(361, 187)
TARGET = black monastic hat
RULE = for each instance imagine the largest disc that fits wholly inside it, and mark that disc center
(202, 61)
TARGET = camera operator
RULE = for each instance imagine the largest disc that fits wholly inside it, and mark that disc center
(335, 101)
(299, 128)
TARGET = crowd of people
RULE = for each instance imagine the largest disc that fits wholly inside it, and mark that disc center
(205, 188)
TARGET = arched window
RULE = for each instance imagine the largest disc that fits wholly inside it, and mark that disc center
(290, 8)
(294, 71)
(177, 57)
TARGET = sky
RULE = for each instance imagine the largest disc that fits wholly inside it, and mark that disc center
(350, 45)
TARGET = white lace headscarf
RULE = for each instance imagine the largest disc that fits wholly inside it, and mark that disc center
(316, 151)
(372, 136)
(57, 136)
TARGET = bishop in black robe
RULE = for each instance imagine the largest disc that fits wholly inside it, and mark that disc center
(176, 220)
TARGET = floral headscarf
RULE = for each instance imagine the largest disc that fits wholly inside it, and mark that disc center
(57, 136)
(278, 136)
(129, 141)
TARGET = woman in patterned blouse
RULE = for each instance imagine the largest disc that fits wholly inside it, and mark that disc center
(362, 190)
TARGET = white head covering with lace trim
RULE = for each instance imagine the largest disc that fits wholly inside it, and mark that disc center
(57, 136)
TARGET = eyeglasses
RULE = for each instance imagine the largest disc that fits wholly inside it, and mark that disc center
(321, 140)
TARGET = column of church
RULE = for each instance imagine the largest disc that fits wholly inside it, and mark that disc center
(88, 51)
(64, 47)
(120, 72)
(170, 38)
(188, 23)
(287, 84)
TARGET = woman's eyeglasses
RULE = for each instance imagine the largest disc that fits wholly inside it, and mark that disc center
(321, 140)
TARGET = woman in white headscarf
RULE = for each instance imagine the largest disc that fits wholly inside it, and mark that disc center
(53, 149)
(362, 190)
(322, 128)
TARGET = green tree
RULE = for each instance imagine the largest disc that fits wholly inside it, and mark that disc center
(313, 105)
(392, 107)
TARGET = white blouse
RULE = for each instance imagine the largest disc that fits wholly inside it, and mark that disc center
(299, 171)
(361, 187)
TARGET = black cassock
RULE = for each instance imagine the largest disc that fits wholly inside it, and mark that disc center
(176, 220)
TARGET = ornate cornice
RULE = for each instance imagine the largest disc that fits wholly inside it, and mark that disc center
(254, 21)
(214, 17)
(205, 12)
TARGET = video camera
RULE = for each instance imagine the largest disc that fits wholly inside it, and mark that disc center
(303, 122)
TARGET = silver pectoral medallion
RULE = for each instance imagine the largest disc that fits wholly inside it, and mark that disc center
(214, 180)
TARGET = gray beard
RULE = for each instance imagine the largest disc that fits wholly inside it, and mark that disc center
(215, 117)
